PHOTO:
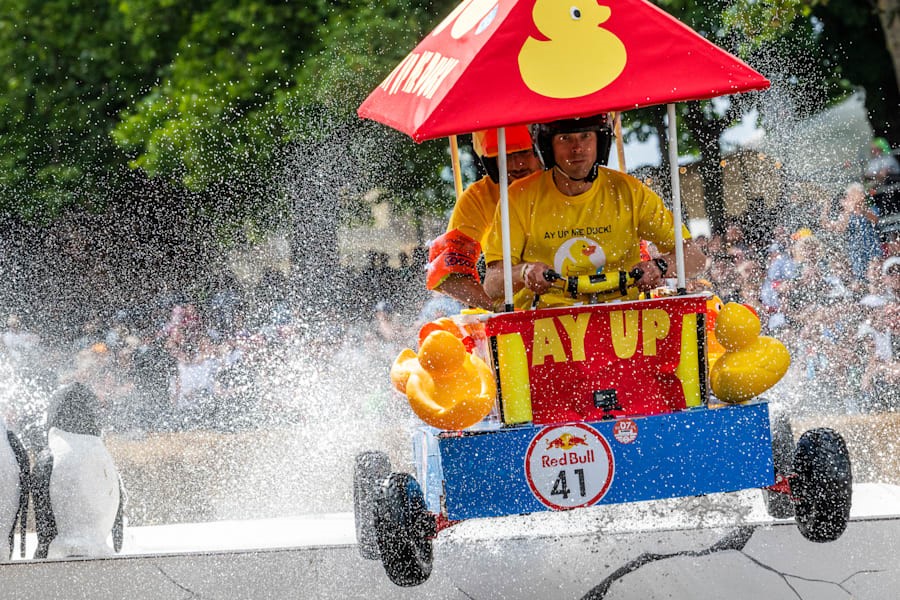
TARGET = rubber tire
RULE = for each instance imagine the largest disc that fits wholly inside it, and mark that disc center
(778, 505)
(823, 486)
(404, 528)
(370, 470)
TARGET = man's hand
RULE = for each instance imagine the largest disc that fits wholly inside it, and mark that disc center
(533, 277)
(652, 277)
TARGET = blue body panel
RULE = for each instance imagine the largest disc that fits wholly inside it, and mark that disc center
(687, 453)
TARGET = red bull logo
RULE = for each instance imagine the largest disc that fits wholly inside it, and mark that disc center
(568, 458)
(566, 441)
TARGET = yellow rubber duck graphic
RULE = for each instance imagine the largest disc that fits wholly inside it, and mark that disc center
(578, 57)
(579, 256)
(446, 387)
(752, 363)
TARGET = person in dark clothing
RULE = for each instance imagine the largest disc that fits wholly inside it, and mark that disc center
(153, 369)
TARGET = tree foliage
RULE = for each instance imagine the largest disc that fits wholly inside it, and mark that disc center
(68, 71)
(209, 117)
(217, 97)
(853, 44)
(208, 95)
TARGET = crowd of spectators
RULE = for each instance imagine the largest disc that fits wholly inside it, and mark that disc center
(240, 355)
(237, 356)
(831, 292)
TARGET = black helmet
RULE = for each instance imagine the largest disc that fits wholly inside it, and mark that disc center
(542, 136)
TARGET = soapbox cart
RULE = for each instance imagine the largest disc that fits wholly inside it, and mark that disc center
(597, 404)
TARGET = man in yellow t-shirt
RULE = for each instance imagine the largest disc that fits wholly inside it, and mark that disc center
(454, 255)
(578, 218)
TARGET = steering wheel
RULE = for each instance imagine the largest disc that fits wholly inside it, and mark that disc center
(613, 282)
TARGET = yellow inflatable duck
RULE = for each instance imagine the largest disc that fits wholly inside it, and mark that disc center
(751, 363)
(555, 66)
(447, 387)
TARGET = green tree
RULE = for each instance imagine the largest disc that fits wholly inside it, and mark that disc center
(857, 45)
(208, 120)
(68, 71)
(236, 89)
(700, 123)
(359, 48)
(204, 94)
(260, 99)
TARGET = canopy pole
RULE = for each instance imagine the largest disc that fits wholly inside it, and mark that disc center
(504, 219)
(620, 143)
(457, 172)
(676, 198)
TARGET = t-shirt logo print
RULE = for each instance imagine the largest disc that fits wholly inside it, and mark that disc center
(579, 256)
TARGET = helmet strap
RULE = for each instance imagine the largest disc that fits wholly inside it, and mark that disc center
(491, 167)
(590, 177)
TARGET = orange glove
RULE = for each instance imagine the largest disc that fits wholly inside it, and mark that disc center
(453, 252)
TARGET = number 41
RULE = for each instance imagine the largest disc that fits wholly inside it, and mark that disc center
(561, 486)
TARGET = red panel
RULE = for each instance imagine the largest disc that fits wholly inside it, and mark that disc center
(568, 364)
(470, 73)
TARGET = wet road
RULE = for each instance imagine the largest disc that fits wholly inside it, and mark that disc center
(700, 548)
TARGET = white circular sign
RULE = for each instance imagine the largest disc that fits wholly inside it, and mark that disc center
(569, 466)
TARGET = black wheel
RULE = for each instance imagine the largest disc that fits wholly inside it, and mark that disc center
(404, 528)
(823, 486)
(778, 505)
(369, 472)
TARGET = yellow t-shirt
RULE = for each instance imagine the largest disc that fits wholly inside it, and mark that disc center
(594, 232)
(474, 210)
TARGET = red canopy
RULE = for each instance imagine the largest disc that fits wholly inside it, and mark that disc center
(494, 63)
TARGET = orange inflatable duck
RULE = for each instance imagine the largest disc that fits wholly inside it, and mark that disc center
(751, 363)
(447, 387)
(714, 350)
(445, 324)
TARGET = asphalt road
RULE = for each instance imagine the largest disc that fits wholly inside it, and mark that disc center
(699, 549)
